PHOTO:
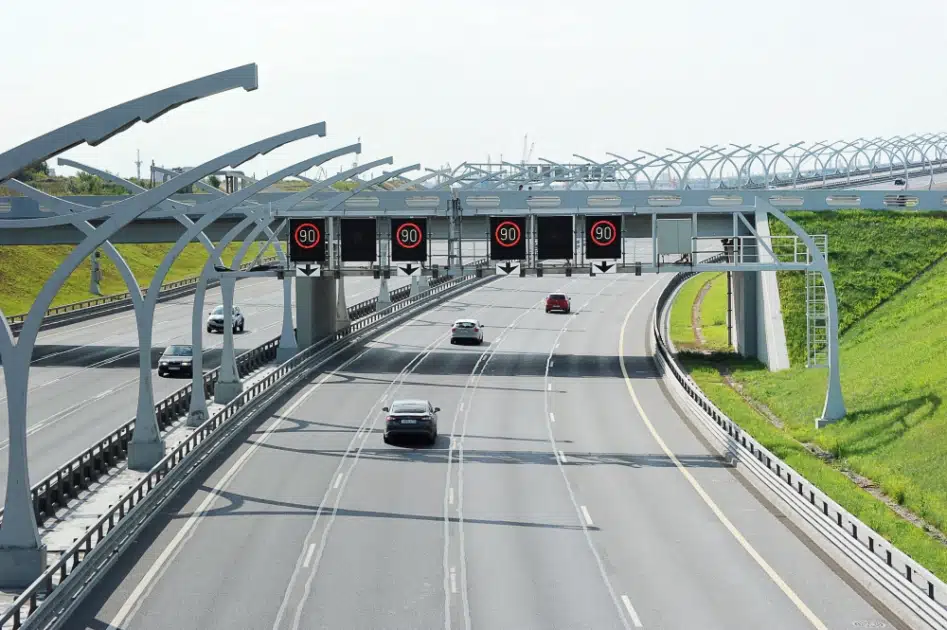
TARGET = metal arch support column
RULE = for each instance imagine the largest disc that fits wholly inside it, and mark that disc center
(146, 447)
(834, 408)
(198, 407)
(228, 384)
(288, 347)
(22, 554)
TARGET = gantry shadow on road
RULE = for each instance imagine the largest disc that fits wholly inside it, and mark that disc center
(238, 506)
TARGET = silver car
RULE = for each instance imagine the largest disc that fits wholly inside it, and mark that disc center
(467, 331)
(215, 321)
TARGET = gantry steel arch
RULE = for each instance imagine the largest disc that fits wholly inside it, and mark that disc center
(22, 553)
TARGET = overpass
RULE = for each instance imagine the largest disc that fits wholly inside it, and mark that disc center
(567, 488)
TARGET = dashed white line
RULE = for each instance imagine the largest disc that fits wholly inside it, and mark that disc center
(338, 481)
(461, 406)
(312, 550)
(552, 417)
(562, 458)
(453, 580)
(552, 363)
(450, 496)
(631, 611)
(549, 387)
(588, 517)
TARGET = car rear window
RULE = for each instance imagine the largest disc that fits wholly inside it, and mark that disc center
(465, 324)
(409, 408)
(557, 296)
(179, 351)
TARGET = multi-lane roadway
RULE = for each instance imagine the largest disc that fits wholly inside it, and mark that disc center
(84, 377)
(564, 492)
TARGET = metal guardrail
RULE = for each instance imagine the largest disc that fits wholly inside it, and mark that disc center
(80, 567)
(86, 309)
(916, 588)
(59, 488)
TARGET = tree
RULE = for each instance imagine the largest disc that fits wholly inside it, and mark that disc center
(36, 170)
(214, 181)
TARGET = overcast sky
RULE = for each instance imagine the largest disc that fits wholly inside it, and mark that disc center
(437, 81)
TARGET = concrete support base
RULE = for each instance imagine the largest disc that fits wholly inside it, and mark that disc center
(342, 310)
(20, 567)
(226, 391)
(142, 456)
(384, 296)
(285, 354)
(196, 418)
(315, 310)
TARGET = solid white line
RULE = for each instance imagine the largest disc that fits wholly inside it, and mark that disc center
(552, 418)
(312, 550)
(562, 457)
(588, 517)
(338, 480)
(631, 611)
(775, 577)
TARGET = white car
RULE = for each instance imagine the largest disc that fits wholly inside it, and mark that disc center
(467, 330)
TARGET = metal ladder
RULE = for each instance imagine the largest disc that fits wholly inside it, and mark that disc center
(817, 334)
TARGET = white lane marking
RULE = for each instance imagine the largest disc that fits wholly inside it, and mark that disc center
(552, 363)
(453, 580)
(587, 516)
(549, 387)
(631, 611)
(461, 406)
(552, 417)
(562, 457)
(338, 481)
(450, 496)
(775, 577)
(312, 550)
(171, 551)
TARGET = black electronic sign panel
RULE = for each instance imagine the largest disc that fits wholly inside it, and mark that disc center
(603, 237)
(307, 240)
(554, 238)
(358, 240)
(507, 238)
(408, 240)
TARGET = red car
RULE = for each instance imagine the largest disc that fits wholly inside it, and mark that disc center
(558, 302)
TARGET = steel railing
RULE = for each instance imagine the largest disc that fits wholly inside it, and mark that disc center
(72, 568)
(916, 588)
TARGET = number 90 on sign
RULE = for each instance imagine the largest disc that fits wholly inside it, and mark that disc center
(603, 237)
(507, 240)
(408, 240)
(306, 240)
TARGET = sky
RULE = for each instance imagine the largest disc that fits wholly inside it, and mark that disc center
(438, 81)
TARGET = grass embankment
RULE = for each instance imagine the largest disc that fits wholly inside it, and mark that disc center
(23, 269)
(887, 461)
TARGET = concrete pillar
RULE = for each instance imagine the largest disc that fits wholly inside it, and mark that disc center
(415, 287)
(315, 310)
(287, 341)
(342, 310)
(745, 321)
(384, 296)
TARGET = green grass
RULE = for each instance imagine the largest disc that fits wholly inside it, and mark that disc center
(682, 332)
(713, 313)
(873, 512)
(871, 256)
(23, 269)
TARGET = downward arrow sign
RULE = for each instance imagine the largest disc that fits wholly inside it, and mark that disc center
(508, 268)
(409, 269)
(308, 270)
(603, 266)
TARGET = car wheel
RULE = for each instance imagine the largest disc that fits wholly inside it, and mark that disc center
(433, 439)
(242, 324)
(209, 329)
(386, 439)
(453, 342)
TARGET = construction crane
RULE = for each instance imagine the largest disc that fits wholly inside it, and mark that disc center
(527, 154)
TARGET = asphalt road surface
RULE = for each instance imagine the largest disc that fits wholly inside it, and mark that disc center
(551, 500)
(84, 377)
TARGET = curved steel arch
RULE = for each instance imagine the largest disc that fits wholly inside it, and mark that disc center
(99, 127)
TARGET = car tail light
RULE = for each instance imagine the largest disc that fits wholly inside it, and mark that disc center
(389, 418)
(453, 330)
(476, 330)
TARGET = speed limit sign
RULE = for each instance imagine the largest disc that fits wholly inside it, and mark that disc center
(408, 240)
(603, 237)
(307, 240)
(507, 238)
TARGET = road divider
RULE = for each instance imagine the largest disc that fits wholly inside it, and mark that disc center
(48, 602)
(75, 312)
(910, 584)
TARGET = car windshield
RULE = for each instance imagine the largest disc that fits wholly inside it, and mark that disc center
(218, 311)
(557, 296)
(465, 324)
(409, 407)
(179, 351)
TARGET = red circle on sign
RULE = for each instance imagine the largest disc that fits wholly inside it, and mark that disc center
(603, 223)
(405, 226)
(315, 242)
(500, 242)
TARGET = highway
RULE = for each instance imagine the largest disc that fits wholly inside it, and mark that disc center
(84, 377)
(564, 492)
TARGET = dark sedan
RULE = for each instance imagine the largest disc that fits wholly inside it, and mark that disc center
(410, 418)
(176, 360)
